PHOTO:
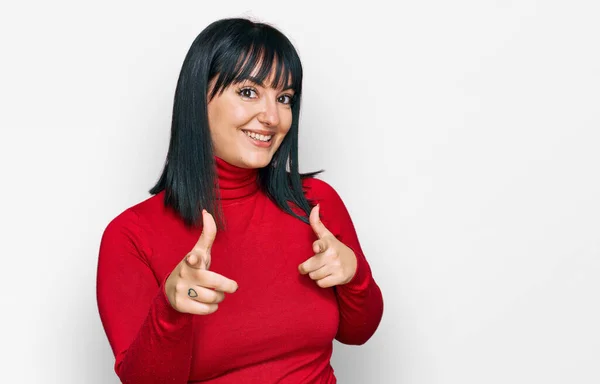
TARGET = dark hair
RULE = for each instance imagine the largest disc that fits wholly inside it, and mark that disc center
(228, 50)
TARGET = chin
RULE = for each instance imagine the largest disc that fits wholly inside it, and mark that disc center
(257, 161)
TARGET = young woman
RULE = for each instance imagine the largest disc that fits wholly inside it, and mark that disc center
(238, 269)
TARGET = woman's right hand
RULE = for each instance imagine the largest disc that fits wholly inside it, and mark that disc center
(191, 287)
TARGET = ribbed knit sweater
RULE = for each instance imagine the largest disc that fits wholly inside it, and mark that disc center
(277, 328)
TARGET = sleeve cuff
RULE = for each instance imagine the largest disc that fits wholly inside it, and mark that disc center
(362, 276)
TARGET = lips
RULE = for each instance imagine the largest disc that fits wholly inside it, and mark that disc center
(258, 143)
(259, 132)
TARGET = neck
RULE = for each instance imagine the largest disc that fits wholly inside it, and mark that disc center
(235, 182)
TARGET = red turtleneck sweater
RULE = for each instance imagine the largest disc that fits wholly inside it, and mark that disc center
(277, 328)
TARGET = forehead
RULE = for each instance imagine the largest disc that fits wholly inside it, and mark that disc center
(260, 67)
(269, 81)
(271, 75)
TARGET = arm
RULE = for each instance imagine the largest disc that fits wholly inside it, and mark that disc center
(151, 341)
(360, 300)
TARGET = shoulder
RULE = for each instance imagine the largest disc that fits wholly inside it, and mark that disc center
(130, 222)
(332, 211)
(318, 190)
(126, 238)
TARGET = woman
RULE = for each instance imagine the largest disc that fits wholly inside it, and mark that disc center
(169, 271)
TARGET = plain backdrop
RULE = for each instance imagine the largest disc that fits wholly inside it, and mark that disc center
(463, 136)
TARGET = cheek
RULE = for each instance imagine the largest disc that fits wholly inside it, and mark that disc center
(238, 116)
(224, 118)
(286, 121)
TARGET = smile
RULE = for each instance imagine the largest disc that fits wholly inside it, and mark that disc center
(256, 136)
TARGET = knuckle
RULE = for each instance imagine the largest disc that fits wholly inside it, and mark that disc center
(201, 311)
(207, 309)
(180, 287)
(211, 298)
(179, 304)
(202, 277)
(219, 297)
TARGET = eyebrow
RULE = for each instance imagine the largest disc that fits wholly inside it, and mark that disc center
(257, 81)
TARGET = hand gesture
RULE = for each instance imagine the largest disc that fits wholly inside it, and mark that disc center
(333, 263)
(191, 287)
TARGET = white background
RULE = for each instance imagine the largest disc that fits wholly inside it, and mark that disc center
(462, 135)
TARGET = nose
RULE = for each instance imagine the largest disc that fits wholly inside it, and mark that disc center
(269, 115)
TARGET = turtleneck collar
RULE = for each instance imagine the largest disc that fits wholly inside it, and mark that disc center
(235, 182)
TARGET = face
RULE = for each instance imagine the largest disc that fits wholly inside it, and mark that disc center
(248, 122)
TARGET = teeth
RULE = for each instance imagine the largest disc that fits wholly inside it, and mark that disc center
(257, 136)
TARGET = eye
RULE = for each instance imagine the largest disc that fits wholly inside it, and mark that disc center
(247, 92)
(286, 99)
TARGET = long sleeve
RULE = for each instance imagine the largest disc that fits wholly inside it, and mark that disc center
(151, 341)
(360, 300)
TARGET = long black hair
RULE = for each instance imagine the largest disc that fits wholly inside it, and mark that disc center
(228, 51)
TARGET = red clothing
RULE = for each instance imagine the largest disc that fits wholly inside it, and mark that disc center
(277, 328)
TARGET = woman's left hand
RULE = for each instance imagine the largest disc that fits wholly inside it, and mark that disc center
(334, 263)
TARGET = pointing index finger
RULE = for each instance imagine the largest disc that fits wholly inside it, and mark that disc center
(312, 264)
(218, 282)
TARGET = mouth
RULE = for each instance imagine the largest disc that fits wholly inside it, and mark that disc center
(263, 141)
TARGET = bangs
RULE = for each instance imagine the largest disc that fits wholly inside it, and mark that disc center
(257, 57)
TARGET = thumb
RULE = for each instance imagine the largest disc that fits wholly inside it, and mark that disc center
(209, 232)
(316, 223)
(199, 257)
